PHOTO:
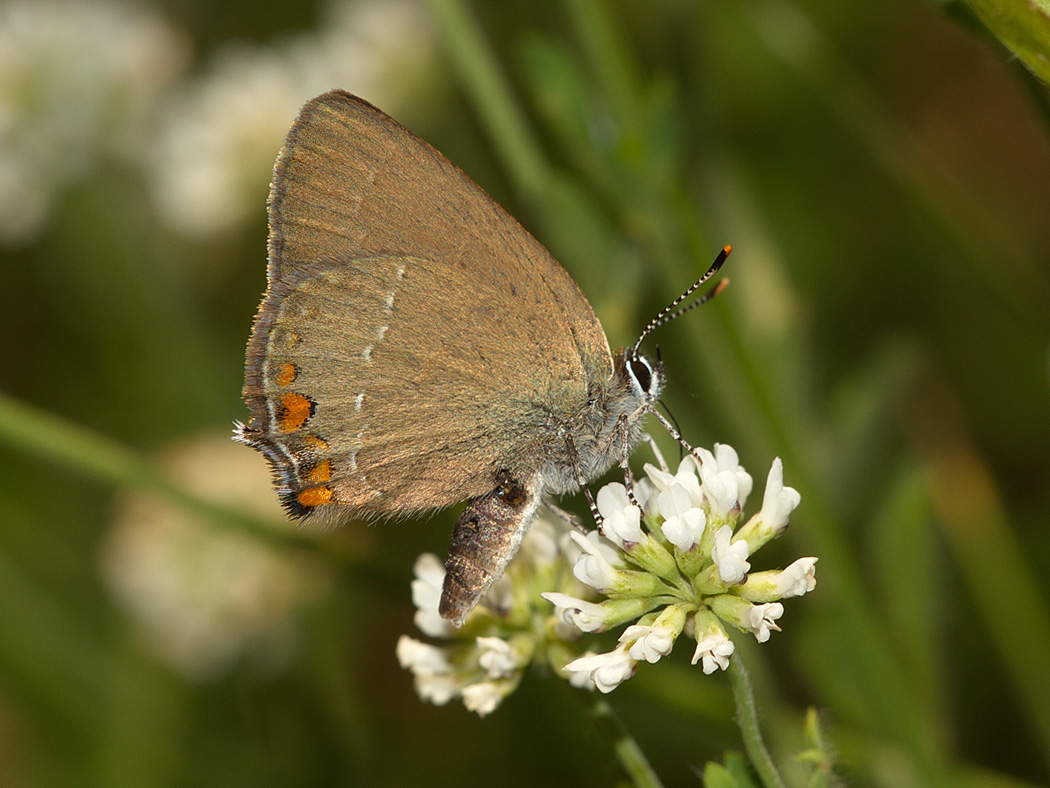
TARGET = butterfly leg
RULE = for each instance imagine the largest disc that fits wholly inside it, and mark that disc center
(574, 457)
(625, 453)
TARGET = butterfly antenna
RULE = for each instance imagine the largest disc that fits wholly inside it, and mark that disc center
(668, 314)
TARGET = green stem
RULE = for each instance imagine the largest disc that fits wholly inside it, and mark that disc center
(626, 748)
(747, 719)
(54, 439)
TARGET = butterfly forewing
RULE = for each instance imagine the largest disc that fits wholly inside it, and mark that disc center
(414, 340)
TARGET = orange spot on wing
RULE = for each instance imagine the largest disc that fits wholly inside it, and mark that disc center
(315, 496)
(314, 442)
(322, 472)
(287, 374)
(295, 411)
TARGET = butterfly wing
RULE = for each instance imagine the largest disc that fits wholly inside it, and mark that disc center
(414, 341)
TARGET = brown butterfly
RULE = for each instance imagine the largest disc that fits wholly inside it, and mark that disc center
(416, 347)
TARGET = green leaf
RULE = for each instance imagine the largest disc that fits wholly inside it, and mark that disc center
(736, 773)
(816, 756)
(740, 767)
(717, 776)
(1024, 28)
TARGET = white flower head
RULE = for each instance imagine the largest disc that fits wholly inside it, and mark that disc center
(725, 483)
(685, 477)
(498, 659)
(622, 519)
(78, 82)
(592, 567)
(714, 649)
(778, 501)
(585, 616)
(647, 643)
(606, 671)
(798, 578)
(762, 619)
(684, 520)
(483, 697)
(426, 596)
(628, 576)
(423, 659)
(730, 557)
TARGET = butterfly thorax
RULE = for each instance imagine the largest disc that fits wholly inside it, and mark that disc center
(605, 431)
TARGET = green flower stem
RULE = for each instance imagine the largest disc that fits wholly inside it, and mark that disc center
(54, 439)
(747, 719)
(626, 748)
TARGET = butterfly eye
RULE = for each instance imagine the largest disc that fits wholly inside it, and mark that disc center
(641, 373)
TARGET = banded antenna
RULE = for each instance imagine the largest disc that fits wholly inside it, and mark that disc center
(668, 314)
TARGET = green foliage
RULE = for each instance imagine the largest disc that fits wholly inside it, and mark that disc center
(1024, 28)
(884, 184)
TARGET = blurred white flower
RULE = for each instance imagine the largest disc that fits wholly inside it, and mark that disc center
(78, 81)
(544, 544)
(206, 597)
(426, 594)
(484, 660)
(214, 155)
(483, 697)
(434, 679)
(497, 657)
(421, 658)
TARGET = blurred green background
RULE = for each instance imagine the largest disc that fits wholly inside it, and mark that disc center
(882, 171)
